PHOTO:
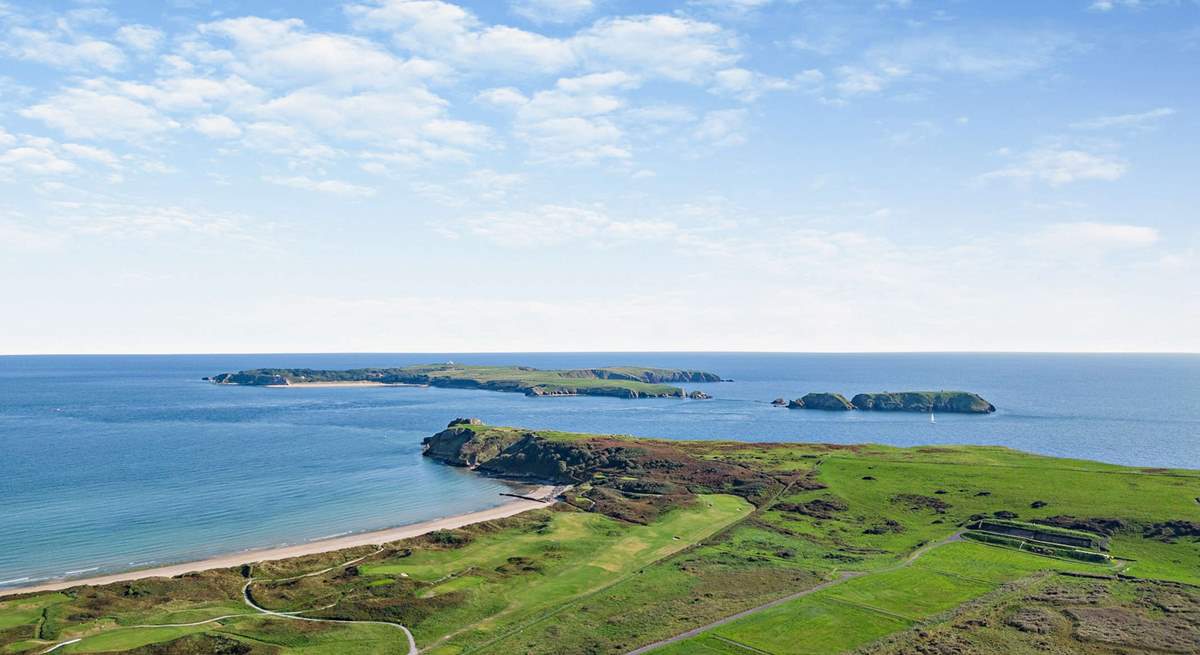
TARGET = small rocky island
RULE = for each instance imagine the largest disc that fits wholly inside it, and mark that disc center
(617, 381)
(944, 402)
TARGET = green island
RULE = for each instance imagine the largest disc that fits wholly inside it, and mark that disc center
(704, 547)
(949, 402)
(618, 381)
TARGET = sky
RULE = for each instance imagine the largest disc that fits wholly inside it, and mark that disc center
(609, 175)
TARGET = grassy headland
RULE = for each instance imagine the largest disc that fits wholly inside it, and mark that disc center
(656, 538)
(619, 381)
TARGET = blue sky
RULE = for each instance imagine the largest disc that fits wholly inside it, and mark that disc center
(805, 175)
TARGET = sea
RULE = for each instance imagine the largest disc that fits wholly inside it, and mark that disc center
(109, 463)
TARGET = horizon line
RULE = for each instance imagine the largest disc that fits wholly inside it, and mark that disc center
(622, 352)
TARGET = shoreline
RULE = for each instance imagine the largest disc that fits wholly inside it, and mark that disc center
(348, 383)
(512, 507)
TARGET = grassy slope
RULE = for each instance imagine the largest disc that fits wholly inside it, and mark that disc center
(594, 551)
(568, 581)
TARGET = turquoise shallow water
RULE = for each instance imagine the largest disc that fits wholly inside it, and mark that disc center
(108, 463)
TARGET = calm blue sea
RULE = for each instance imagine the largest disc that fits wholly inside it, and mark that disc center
(113, 462)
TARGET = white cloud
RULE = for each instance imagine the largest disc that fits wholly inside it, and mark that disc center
(854, 80)
(61, 49)
(730, 8)
(335, 187)
(570, 122)
(575, 139)
(1109, 5)
(1138, 120)
(41, 156)
(141, 38)
(1058, 166)
(90, 114)
(217, 126)
(145, 221)
(671, 47)
(722, 127)
(666, 46)
(1069, 238)
(409, 119)
(995, 55)
(36, 160)
(748, 86)
(92, 153)
(553, 224)
(553, 11)
(186, 92)
(502, 97)
(443, 30)
(285, 53)
(992, 55)
(293, 141)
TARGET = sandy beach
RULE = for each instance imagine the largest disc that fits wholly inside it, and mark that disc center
(512, 507)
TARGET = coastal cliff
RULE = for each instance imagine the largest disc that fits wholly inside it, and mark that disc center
(617, 381)
(944, 402)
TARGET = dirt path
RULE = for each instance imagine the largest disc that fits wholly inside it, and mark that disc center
(412, 644)
(846, 575)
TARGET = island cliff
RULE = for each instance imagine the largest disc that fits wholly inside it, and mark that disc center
(617, 381)
(960, 402)
(831, 402)
(945, 402)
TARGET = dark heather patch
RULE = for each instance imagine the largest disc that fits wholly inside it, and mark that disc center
(919, 502)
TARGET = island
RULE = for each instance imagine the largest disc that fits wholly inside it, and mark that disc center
(645, 545)
(946, 402)
(617, 381)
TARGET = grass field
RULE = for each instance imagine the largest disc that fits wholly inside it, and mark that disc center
(665, 537)
(863, 609)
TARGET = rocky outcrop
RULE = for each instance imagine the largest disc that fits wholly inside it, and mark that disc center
(942, 402)
(467, 442)
(699, 395)
(780, 402)
(512, 453)
(830, 402)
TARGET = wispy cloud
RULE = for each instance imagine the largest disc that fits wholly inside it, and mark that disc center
(1137, 120)
(336, 187)
(1059, 166)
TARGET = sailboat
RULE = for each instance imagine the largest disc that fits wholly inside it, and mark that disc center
(931, 419)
